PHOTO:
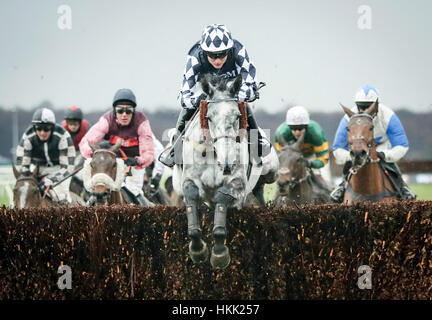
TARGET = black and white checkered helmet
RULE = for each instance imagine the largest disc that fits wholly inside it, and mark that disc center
(43, 115)
(216, 37)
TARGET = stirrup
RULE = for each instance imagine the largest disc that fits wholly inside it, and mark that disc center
(167, 157)
(337, 194)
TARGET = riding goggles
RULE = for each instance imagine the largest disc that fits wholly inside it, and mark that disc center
(128, 110)
(73, 122)
(217, 55)
(298, 127)
(41, 127)
(362, 106)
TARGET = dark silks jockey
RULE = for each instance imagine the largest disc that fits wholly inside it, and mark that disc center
(216, 53)
(49, 146)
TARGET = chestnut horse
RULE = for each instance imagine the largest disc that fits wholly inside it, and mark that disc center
(366, 179)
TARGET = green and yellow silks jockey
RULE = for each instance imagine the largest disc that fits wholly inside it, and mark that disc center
(315, 145)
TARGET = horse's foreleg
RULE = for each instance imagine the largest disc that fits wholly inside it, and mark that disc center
(220, 257)
(197, 247)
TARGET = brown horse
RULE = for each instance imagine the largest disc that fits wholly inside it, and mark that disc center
(296, 182)
(104, 174)
(28, 192)
(366, 180)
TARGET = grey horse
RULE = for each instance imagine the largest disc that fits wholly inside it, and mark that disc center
(216, 169)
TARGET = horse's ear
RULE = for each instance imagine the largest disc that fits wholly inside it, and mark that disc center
(115, 147)
(236, 85)
(16, 172)
(35, 172)
(347, 111)
(373, 109)
(205, 85)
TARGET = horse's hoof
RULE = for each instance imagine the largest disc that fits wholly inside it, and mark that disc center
(220, 261)
(201, 255)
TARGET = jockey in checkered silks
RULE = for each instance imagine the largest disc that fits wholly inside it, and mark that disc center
(216, 53)
(389, 135)
(50, 146)
(132, 127)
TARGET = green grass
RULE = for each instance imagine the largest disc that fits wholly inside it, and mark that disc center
(423, 191)
(4, 198)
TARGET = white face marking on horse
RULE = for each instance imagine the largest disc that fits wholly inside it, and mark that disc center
(102, 158)
(23, 195)
(359, 121)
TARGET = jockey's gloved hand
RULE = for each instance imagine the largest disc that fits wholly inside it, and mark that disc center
(347, 166)
(381, 155)
(155, 181)
(131, 161)
(47, 182)
(202, 96)
(308, 163)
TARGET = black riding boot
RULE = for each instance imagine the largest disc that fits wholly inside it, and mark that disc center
(259, 145)
(337, 194)
(174, 155)
(404, 191)
(140, 200)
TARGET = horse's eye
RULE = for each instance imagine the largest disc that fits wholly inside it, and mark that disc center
(91, 164)
(348, 129)
(371, 128)
(115, 164)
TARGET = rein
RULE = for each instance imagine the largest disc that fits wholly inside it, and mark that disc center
(294, 182)
(34, 180)
(105, 150)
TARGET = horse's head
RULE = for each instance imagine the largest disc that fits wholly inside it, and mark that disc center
(292, 167)
(26, 190)
(360, 134)
(223, 119)
(105, 171)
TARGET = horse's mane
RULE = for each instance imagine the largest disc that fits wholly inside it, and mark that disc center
(219, 82)
(104, 144)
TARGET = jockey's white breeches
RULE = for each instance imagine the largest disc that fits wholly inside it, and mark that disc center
(135, 182)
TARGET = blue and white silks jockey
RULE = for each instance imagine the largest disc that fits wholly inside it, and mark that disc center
(389, 135)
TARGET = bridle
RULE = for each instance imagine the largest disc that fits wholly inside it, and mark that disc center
(101, 197)
(370, 144)
(293, 182)
(242, 109)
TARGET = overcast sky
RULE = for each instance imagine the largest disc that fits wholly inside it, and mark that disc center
(311, 53)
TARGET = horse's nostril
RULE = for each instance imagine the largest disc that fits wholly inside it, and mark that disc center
(363, 153)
